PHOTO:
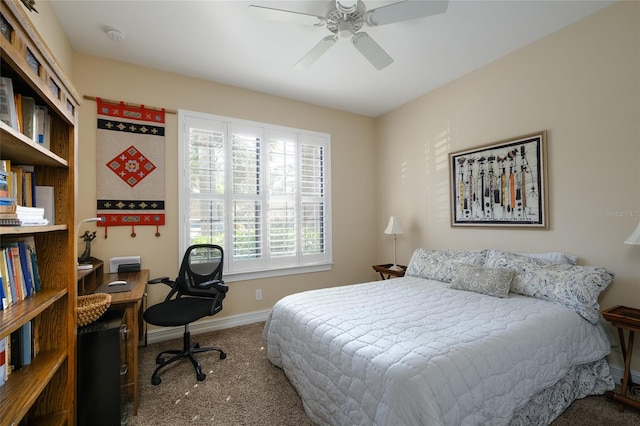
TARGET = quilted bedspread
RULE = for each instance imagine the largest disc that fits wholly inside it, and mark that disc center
(411, 351)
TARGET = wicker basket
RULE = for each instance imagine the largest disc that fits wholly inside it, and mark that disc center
(91, 306)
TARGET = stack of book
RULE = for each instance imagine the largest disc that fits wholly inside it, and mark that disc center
(31, 216)
(15, 215)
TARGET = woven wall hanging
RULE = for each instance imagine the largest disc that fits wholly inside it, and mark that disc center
(131, 166)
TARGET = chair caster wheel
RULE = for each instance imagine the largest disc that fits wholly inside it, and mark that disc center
(155, 381)
(201, 376)
(196, 345)
(223, 355)
(159, 360)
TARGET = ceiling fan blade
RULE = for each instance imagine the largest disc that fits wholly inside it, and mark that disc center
(404, 11)
(286, 15)
(317, 51)
(371, 50)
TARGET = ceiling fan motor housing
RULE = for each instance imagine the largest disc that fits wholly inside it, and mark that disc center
(342, 23)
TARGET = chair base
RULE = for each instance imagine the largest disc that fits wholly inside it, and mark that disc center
(188, 351)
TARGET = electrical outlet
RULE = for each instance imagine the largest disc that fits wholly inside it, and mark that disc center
(259, 294)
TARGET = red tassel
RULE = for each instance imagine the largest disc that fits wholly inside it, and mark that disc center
(133, 231)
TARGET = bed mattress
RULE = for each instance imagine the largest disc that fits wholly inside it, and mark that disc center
(412, 351)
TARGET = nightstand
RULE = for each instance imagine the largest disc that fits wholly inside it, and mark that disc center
(384, 269)
(624, 318)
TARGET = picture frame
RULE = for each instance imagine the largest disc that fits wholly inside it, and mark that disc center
(501, 184)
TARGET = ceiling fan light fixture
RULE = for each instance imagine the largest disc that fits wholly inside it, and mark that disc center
(347, 6)
(345, 29)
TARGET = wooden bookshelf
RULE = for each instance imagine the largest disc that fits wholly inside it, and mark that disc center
(43, 392)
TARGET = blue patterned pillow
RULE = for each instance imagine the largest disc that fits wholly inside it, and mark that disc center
(576, 287)
(440, 265)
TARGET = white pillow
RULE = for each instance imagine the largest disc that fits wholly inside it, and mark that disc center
(555, 257)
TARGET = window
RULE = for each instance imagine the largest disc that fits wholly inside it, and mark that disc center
(260, 191)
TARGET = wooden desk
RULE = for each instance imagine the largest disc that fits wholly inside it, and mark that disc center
(624, 318)
(131, 302)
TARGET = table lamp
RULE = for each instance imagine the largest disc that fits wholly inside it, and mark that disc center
(394, 227)
(82, 260)
(634, 238)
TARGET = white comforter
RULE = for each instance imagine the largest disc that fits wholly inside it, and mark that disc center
(411, 351)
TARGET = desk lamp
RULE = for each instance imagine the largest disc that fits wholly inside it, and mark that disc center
(394, 227)
(82, 265)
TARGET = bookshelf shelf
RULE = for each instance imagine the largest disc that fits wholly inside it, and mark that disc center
(42, 391)
(18, 147)
(29, 382)
(29, 309)
(18, 230)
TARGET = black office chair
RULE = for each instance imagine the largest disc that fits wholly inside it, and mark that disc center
(197, 292)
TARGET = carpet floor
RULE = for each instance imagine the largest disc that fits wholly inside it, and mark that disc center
(245, 389)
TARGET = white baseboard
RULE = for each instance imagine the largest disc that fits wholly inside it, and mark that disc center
(162, 334)
(617, 371)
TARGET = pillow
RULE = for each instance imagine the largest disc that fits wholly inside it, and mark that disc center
(555, 257)
(576, 287)
(439, 264)
(490, 281)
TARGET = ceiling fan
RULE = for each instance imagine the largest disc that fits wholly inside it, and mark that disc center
(345, 18)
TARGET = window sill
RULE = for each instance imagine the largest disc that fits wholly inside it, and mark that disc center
(270, 273)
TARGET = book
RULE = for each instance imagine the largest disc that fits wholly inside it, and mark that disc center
(6, 282)
(29, 127)
(8, 113)
(31, 245)
(42, 125)
(21, 288)
(3, 297)
(3, 360)
(18, 100)
(10, 221)
(25, 267)
(7, 204)
(26, 343)
(45, 198)
(16, 350)
(4, 184)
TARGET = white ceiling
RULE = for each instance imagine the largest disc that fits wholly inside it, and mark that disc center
(220, 41)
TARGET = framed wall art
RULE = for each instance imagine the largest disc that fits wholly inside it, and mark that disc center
(502, 184)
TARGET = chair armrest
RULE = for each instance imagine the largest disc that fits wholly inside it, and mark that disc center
(217, 284)
(163, 280)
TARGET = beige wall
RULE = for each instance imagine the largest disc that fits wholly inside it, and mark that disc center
(352, 156)
(582, 85)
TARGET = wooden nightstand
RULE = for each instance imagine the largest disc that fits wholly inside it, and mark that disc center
(384, 269)
(624, 318)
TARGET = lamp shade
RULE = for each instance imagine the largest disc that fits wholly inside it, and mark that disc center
(634, 238)
(394, 227)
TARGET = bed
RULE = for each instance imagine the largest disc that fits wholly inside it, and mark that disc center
(465, 338)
